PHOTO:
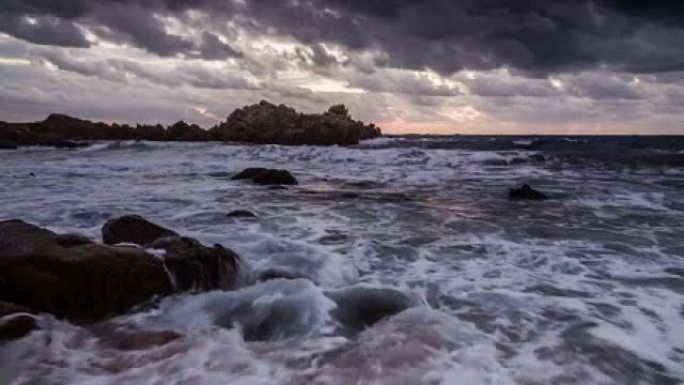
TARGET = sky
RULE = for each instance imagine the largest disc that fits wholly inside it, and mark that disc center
(410, 66)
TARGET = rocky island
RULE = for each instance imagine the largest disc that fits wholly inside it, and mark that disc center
(263, 123)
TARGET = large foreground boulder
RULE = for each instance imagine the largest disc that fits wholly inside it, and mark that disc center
(268, 123)
(193, 266)
(266, 176)
(73, 277)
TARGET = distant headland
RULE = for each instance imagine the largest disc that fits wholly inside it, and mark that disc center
(264, 123)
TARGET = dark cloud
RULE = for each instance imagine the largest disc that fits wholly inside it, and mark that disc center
(534, 36)
(44, 30)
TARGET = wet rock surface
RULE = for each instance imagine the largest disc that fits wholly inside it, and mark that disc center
(15, 321)
(196, 267)
(359, 307)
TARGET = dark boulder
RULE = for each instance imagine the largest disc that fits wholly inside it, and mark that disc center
(267, 176)
(196, 267)
(8, 145)
(133, 229)
(241, 214)
(526, 192)
(359, 307)
(193, 266)
(74, 278)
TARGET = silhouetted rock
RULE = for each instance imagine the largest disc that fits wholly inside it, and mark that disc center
(259, 123)
(526, 192)
(47, 272)
(267, 176)
(241, 214)
(133, 229)
(267, 123)
(181, 131)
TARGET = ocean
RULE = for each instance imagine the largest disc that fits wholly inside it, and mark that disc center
(586, 287)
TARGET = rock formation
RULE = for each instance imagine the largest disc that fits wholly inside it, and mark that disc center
(268, 123)
(259, 123)
(73, 277)
(192, 265)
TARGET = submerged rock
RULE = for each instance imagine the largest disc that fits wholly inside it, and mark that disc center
(526, 192)
(48, 272)
(359, 307)
(267, 176)
(133, 229)
(241, 214)
(271, 310)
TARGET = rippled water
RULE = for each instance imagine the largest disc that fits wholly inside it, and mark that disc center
(585, 288)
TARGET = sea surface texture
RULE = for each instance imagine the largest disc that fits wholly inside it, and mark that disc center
(586, 287)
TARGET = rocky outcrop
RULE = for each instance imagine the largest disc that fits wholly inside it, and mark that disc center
(73, 277)
(526, 192)
(133, 229)
(266, 176)
(260, 123)
(193, 266)
(183, 132)
(267, 123)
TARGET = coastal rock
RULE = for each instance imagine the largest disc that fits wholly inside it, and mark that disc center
(241, 214)
(267, 176)
(196, 267)
(133, 229)
(359, 307)
(47, 272)
(268, 123)
(526, 192)
(193, 266)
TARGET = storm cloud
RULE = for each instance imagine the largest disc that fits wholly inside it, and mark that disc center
(415, 55)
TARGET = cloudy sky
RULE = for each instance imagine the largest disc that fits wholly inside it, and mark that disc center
(441, 66)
